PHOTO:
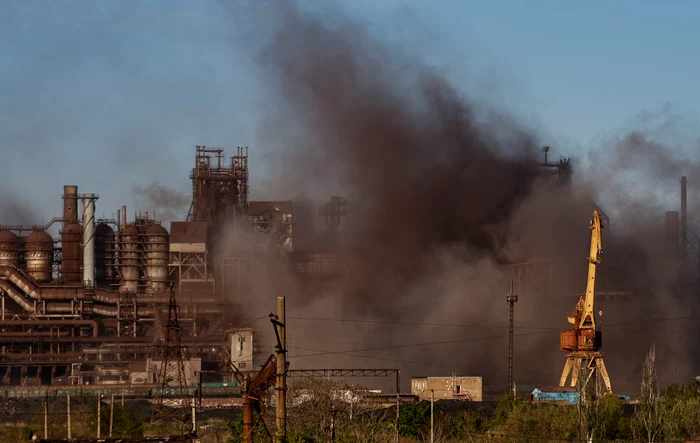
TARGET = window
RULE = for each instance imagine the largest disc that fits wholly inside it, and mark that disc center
(459, 389)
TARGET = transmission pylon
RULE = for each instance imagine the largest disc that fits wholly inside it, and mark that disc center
(172, 397)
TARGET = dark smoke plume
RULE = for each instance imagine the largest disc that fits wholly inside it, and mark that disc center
(420, 165)
(436, 185)
(169, 203)
(17, 211)
(443, 193)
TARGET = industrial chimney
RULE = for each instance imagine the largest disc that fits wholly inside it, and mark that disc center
(70, 204)
(89, 238)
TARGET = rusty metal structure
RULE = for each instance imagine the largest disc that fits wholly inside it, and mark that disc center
(172, 378)
(88, 307)
(219, 189)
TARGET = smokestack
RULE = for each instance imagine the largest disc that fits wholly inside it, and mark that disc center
(89, 238)
(684, 218)
(70, 204)
(123, 216)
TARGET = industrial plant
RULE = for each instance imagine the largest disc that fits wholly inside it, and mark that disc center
(89, 307)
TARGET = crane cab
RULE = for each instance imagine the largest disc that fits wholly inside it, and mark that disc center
(572, 340)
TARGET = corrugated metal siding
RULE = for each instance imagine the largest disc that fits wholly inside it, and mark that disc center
(570, 397)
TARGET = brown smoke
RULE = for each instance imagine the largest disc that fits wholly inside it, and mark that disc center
(443, 192)
(169, 203)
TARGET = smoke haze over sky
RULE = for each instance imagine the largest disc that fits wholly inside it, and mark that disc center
(99, 94)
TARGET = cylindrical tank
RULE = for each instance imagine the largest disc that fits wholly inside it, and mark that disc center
(157, 249)
(129, 251)
(38, 254)
(104, 253)
(71, 252)
(70, 204)
(9, 249)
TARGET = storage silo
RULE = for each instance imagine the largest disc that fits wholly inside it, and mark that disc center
(129, 254)
(9, 249)
(157, 248)
(38, 255)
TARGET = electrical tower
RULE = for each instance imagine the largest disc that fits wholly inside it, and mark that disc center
(172, 383)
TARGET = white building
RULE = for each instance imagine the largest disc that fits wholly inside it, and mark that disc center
(242, 349)
(454, 388)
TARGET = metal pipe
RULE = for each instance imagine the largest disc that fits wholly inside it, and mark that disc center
(14, 295)
(89, 239)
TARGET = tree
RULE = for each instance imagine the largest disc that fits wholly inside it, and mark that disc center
(591, 407)
(325, 410)
(652, 411)
(125, 425)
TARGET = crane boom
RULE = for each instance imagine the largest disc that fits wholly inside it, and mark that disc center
(587, 317)
(583, 342)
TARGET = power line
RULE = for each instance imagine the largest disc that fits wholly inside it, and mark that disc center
(484, 326)
(415, 345)
(415, 323)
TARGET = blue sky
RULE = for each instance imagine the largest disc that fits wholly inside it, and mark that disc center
(111, 94)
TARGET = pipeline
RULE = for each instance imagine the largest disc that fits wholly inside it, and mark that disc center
(14, 295)
(91, 323)
(27, 286)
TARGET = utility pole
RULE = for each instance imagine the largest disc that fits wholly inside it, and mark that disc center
(194, 415)
(432, 421)
(46, 416)
(99, 414)
(68, 407)
(281, 385)
(247, 412)
(512, 298)
(398, 407)
(111, 415)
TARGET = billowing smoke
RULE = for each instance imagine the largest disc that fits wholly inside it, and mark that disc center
(444, 191)
(16, 211)
(168, 203)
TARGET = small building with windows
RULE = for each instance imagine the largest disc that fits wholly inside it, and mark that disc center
(447, 388)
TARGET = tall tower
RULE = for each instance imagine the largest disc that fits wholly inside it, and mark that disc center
(171, 372)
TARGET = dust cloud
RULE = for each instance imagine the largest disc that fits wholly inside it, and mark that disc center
(446, 193)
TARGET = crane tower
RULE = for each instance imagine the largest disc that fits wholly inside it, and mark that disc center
(582, 343)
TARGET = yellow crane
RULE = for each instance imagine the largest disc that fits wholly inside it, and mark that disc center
(582, 343)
